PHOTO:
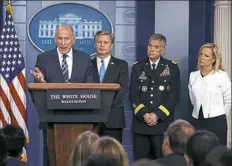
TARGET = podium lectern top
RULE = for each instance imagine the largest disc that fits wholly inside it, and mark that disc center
(96, 86)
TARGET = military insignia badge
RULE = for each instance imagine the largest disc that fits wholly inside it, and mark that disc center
(144, 88)
(166, 71)
(143, 76)
(161, 88)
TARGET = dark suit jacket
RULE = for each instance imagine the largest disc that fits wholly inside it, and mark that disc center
(49, 65)
(172, 160)
(116, 72)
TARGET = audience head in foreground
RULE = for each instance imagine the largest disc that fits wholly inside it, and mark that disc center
(199, 145)
(219, 156)
(145, 162)
(3, 151)
(176, 137)
(110, 147)
(15, 139)
(101, 160)
(82, 148)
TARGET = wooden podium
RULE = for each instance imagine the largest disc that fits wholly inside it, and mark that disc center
(67, 109)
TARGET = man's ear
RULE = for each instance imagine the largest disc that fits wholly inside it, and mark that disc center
(162, 52)
(74, 40)
(167, 140)
(166, 143)
(55, 41)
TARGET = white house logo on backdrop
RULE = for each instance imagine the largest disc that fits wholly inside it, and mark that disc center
(129, 16)
(85, 20)
(128, 51)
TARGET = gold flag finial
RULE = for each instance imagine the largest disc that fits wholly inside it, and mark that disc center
(9, 8)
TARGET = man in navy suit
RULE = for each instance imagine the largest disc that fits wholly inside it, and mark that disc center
(63, 64)
(60, 65)
(109, 69)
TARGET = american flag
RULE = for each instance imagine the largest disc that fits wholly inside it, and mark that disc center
(12, 78)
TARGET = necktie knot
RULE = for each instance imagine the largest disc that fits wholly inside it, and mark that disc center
(153, 66)
(64, 57)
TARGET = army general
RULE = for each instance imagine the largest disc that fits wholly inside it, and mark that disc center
(154, 93)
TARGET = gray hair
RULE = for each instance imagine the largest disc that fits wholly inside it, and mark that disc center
(178, 133)
(160, 37)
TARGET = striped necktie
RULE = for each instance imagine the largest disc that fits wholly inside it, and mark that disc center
(65, 68)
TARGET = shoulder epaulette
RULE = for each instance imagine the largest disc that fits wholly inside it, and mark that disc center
(174, 62)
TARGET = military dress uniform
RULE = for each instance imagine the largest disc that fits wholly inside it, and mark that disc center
(152, 91)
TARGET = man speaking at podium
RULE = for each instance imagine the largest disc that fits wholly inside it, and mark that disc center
(63, 64)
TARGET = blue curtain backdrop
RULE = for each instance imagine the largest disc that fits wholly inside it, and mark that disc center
(201, 28)
(145, 26)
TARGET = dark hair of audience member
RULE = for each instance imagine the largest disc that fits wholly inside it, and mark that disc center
(112, 148)
(178, 134)
(145, 162)
(82, 148)
(3, 151)
(15, 139)
(219, 156)
(199, 145)
(101, 160)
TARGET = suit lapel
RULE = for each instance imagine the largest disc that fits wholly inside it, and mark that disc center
(110, 69)
(74, 60)
(95, 69)
(57, 66)
(147, 69)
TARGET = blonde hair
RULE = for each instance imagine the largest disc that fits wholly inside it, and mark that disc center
(82, 148)
(110, 147)
(217, 65)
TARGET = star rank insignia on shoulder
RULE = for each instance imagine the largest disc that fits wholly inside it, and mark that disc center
(174, 62)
